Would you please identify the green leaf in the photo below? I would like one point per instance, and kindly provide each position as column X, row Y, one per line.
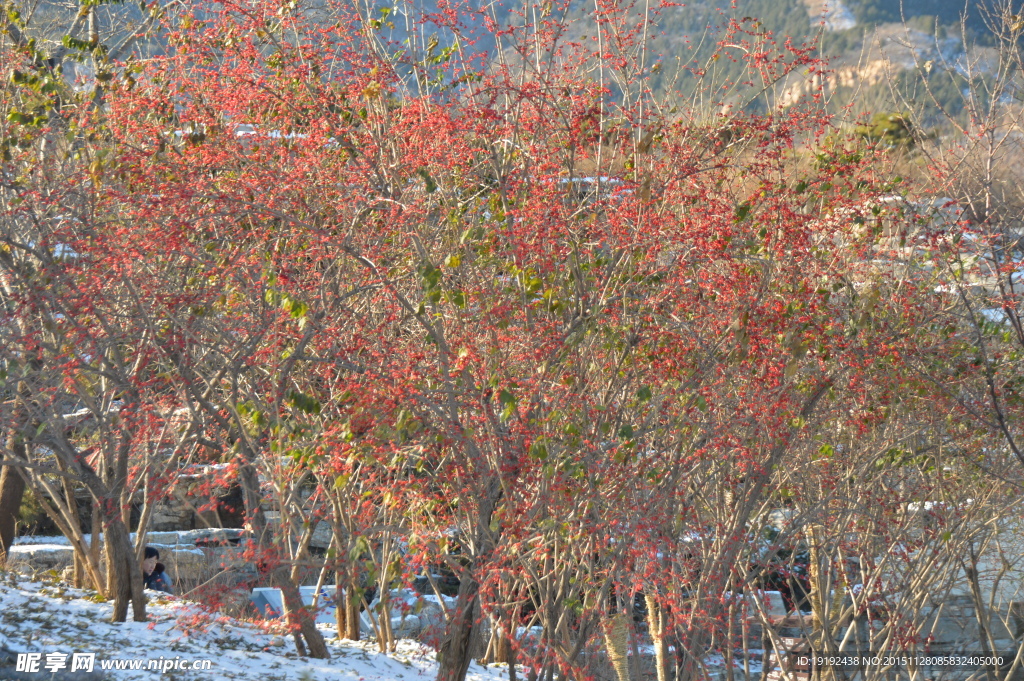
column 76, row 44
column 458, row 299
column 303, row 402
column 742, row 211
column 644, row 394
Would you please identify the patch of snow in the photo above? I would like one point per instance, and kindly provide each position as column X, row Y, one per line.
column 174, row 538
column 43, row 618
column 995, row 315
column 838, row 16
column 34, row 548
column 63, row 541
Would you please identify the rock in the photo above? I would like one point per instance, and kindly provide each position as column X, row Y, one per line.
column 405, row 626
column 163, row 538
column 184, row 562
column 432, row 619
column 321, row 538
column 171, row 514
column 41, row 556
column 214, row 536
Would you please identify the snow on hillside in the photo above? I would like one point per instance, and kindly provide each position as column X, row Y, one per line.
column 52, row 619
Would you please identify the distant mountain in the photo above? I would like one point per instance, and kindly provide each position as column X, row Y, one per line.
column 871, row 42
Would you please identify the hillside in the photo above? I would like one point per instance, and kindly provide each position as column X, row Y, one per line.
column 870, row 43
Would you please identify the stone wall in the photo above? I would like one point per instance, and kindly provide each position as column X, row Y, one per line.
column 190, row 558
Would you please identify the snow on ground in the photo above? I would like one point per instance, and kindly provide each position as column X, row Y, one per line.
column 49, row 618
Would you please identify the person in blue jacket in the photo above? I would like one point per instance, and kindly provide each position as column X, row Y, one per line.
column 153, row 573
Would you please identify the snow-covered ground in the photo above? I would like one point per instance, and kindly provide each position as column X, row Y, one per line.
column 53, row 619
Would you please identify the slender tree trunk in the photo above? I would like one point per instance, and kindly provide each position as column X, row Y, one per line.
column 12, row 480
column 12, row 490
column 353, row 596
column 78, row 572
column 297, row 614
column 249, row 481
column 12, row 487
column 110, row 560
column 616, row 639
column 497, row 644
column 456, row 648
column 340, row 604
column 94, row 545
column 454, row 655
column 387, row 636
column 656, row 625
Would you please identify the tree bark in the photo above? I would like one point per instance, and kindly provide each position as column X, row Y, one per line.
column 249, row 481
column 340, row 604
column 656, row 627
column 353, row 596
column 12, row 490
column 124, row 571
column 298, row 614
column 616, row 638
column 456, row 648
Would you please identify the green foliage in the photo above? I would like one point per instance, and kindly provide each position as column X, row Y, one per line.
column 303, row 402
column 889, row 129
column 944, row 11
column 33, row 519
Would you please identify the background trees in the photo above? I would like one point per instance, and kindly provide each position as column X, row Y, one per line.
column 509, row 315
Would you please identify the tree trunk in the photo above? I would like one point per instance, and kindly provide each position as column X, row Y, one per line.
column 12, row 490
column 78, row 572
column 297, row 614
column 387, row 636
column 94, row 547
column 340, row 604
column 456, row 648
column 124, row 571
column 616, row 639
column 353, row 596
column 249, row 481
column 12, row 482
column 656, row 626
